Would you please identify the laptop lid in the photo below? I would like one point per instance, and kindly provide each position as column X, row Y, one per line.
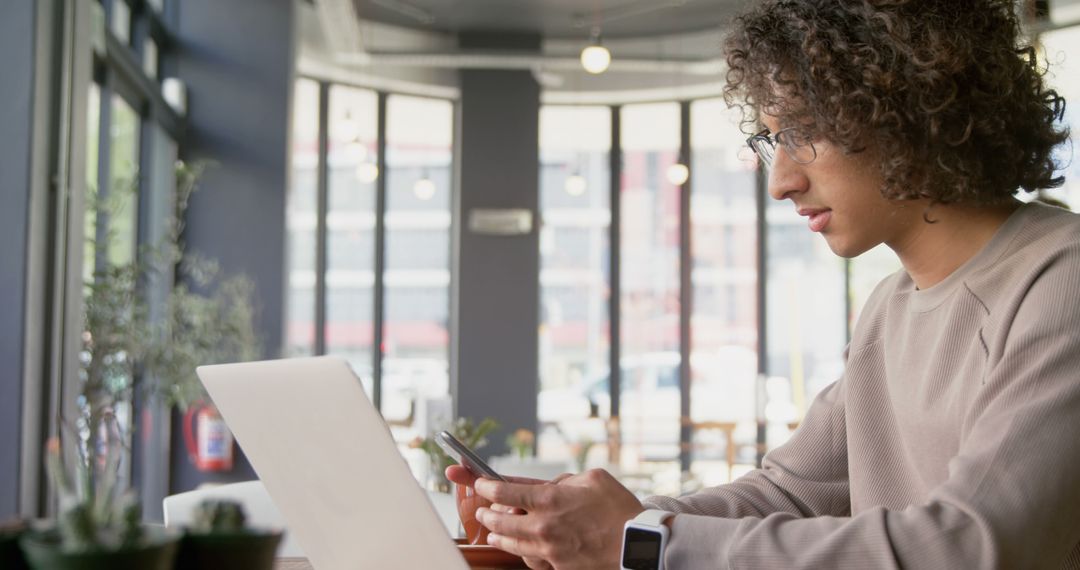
column 329, row 462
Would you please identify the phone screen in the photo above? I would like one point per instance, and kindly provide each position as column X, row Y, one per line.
column 465, row 456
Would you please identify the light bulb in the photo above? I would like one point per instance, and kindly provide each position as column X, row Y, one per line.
column 367, row 172
column 348, row 129
column 678, row 174
column 595, row 58
column 356, row 150
column 424, row 189
column 576, row 185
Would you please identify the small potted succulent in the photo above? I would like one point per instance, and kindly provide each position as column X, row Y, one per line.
column 99, row 525
column 11, row 558
column 220, row 539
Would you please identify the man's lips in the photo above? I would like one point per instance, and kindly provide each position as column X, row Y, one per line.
column 818, row 217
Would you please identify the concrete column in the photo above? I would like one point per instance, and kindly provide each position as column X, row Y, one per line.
column 496, row 292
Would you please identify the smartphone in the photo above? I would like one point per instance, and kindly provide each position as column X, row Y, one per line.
column 465, row 456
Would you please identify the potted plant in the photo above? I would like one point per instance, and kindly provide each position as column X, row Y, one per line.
column 206, row 319
column 219, row 539
column 521, row 443
column 99, row 523
column 473, row 435
column 10, row 556
column 126, row 338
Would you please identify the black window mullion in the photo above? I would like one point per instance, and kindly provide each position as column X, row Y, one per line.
column 615, row 286
column 761, row 197
column 380, row 254
column 321, row 209
column 686, row 294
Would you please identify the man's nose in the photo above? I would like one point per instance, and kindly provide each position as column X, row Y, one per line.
column 786, row 177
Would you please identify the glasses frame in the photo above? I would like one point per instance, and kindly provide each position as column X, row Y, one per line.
column 782, row 138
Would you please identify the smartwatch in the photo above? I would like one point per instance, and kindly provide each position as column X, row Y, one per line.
column 644, row 539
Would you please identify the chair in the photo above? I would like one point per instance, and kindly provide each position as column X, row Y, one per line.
column 261, row 511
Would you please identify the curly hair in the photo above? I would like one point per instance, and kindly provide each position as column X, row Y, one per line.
column 945, row 89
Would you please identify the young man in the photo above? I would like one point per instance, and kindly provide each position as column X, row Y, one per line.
column 953, row 438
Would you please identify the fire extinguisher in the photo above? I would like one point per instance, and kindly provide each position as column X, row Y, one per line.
column 212, row 448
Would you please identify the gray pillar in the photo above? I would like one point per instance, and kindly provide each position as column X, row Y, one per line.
column 497, row 277
column 237, row 61
column 17, row 69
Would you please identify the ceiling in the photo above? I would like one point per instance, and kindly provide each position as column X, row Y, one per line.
column 553, row 18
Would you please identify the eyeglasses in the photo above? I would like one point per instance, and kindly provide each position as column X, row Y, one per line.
column 796, row 144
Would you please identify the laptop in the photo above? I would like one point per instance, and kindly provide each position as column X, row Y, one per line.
column 329, row 462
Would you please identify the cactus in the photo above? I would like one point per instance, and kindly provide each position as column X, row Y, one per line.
column 219, row 516
column 95, row 512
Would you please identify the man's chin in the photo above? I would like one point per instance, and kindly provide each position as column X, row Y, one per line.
column 847, row 249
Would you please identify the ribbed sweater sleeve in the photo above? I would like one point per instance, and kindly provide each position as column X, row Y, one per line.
column 805, row 477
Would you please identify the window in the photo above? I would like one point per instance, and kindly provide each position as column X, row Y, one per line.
column 419, row 161
column 805, row 318
column 416, row 175
column 301, row 217
column 575, row 189
column 724, row 357
column 649, row 408
column 740, row 402
column 352, row 171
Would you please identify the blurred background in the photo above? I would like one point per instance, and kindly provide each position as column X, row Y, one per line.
column 539, row 212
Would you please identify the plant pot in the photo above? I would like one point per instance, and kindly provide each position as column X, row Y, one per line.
column 43, row 552
column 251, row 550
column 11, row 558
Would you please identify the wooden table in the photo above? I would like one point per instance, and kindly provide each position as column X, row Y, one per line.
column 302, row 564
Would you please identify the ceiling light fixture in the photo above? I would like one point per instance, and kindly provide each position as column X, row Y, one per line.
column 424, row 189
column 678, row 174
column 576, row 185
column 367, row 172
column 595, row 58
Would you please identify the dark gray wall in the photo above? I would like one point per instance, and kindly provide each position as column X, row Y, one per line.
column 237, row 61
column 17, row 71
column 497, row 287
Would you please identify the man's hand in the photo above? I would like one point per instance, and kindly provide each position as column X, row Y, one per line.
column 573, row 522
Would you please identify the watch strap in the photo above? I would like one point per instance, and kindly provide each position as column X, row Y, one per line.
column 653, row 517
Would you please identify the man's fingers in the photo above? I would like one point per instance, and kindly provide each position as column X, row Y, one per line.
column 514, row 545
column 524, row 496
column 526, row 480
column 460, row 475
column 537, row 563
column 506, row 523
column 560, row 477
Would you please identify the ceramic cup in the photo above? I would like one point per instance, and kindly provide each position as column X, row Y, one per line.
column 467, row 503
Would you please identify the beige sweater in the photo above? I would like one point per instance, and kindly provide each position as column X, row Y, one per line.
column 952, row 440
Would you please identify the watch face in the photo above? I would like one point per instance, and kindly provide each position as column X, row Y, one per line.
column 641, row 550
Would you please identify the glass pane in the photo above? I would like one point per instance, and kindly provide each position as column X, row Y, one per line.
column 123, row 181
column 121, row 21
column 111, row 241
column 724, row 357
column 93, row 141
column 649, row 405
column 150, row 58
column 1062, row 49
column 575, row 206
column 419, row 159
column 350, row 224
column 805, row 309
column 300, row 219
